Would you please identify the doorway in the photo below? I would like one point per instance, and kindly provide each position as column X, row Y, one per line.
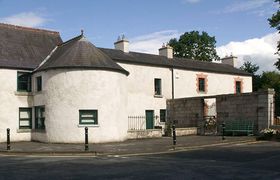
column 149, row 119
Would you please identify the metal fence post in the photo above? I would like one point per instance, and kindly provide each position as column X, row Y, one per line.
column 8, row 139
column 223, row 130
column 174, row 134
column 86, row 139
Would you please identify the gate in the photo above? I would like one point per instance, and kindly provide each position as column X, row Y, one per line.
column 210, row 125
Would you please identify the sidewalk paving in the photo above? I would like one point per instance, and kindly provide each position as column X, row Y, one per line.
column 140, row 146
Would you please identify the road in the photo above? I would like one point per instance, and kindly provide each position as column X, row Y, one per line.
column 241, row 161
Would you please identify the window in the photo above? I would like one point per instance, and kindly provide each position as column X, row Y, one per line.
column 39, row 83
column 24, row 81
column 157, row 86
column 201, row 84
column 25, row 118
column 162, row 114
column 40, row 117
column 88, row 117
column 238, row 86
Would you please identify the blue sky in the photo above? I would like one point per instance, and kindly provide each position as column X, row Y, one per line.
column 146, row 23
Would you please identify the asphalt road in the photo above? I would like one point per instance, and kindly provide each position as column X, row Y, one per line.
column 241, row 161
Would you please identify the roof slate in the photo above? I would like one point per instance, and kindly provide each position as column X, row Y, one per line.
column 79, row 53
column 180, row 63
column 25, row 48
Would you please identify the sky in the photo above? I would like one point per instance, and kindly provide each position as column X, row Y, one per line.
column 239, row 26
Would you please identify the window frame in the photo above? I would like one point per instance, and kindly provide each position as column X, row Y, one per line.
column 93, row 112
column 28, row 81
column 25, row 109
column 42, row 119
column 238, row 90
column 161, row 111
column 39, row 83
column 200, row 89
column 157, row 90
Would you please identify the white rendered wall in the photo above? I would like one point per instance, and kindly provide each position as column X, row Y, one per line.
column 65, row 92
column 140, row 88
column 10, row 101
column 140, row 85
column 186, row 83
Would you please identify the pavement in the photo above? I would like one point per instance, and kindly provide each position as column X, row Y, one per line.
column 161, row 145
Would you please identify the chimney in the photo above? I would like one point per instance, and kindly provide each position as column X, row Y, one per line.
column 230, row 60
column 122, row 44
column 166, row 51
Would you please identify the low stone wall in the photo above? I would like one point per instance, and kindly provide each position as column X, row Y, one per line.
column 141, row 134
column 186, row 131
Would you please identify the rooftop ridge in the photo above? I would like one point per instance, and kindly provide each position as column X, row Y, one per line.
column 70, row 40
column 156, row 55
column 28, row 28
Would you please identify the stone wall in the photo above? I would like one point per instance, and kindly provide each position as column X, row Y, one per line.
column 141, row 134
column 257, row 107
column 187, row 112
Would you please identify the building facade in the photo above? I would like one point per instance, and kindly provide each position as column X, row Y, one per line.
column 51, row 89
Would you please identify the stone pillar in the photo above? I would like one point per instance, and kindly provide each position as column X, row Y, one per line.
column 265, row 108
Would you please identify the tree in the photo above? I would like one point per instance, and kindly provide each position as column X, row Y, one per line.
column 274, row 22
column 193, row 45
column 252, row 68
column 272, row 80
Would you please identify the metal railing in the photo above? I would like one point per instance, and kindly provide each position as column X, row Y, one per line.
column 139, row 122
column 277, row 121
column 136, row 122
column 210, row 125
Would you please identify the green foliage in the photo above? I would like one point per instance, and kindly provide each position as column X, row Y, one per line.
column 193, row 45
column 272, row 80
column 274, row 22
column 250, row 67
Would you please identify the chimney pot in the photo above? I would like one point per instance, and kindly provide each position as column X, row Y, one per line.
column 122, row 44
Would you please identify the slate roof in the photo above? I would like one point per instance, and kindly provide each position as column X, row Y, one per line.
column 79, row 53
column 179, row 63
column 25, row 48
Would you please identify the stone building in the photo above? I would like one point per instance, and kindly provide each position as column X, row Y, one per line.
column 50, row 90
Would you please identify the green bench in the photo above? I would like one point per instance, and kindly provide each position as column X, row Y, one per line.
column 239, row 127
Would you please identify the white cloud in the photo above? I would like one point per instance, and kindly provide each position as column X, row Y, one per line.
column 30, row 19
column 191, row 1
column 150, row 43
column 260, row 51
column 246, row 5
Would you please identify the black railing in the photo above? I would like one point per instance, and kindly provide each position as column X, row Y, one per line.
column 210, row 125
column 277, row 121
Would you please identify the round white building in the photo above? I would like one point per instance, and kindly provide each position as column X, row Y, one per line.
column 79, row 86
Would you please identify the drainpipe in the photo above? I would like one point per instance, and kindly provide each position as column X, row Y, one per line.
column 172, row 74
